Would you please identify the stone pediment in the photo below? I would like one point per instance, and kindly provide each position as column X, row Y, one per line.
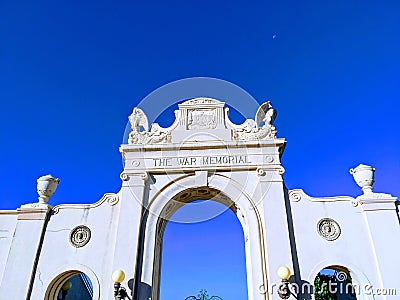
column 203, row 119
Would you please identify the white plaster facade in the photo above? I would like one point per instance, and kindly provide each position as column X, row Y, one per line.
column 203, row 155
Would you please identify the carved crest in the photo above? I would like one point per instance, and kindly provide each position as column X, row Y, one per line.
column 203, row 113
column 201, row 119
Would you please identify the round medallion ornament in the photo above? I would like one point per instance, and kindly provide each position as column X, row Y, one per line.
column 329, row 229
column 269, row 158
column 79, row 236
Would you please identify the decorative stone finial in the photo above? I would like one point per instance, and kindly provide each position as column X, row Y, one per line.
column 364, row 177
column 46, row 186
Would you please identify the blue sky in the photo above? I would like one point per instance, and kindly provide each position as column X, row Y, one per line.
column 71, row 74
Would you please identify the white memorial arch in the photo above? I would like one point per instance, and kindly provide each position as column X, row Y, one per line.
column 205, row 156
column 202, row 156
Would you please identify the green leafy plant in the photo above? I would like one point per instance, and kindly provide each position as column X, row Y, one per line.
column 321, row 287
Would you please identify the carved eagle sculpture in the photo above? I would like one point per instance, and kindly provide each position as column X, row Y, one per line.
column 138, row 119
column 266, row 113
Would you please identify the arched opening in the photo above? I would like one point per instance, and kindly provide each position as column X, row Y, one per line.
column 70, row 285
column 172, row 197
column 206, row 256
column 334, row 283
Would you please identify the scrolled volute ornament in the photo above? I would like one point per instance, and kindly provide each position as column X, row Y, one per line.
column 260, row 172
column 281, row 170
column 295, row 196
column 124, row 176
column 111, row 199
